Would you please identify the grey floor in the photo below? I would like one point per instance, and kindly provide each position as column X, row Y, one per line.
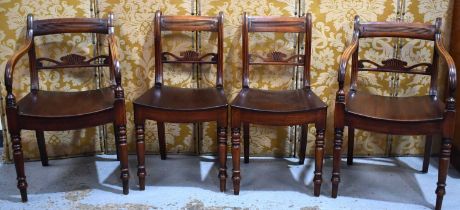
column 190, row 182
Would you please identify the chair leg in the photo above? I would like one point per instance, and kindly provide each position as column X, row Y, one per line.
column 336, row 161
column 236, row 159
column 140, row 147
column 351, row 145
column 303, row 144
column 426, row 156
column 246, row 142
column 319, row 157
column 117, row 143
column 42, row 147
column 123, row 151
column 444, row 158
column 222, row 152
column 161, row 139
column 19, row 164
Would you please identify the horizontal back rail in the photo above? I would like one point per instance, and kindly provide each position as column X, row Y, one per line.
column 189, row 23
column 397, row 29
column 276, row 24
column 70, row 25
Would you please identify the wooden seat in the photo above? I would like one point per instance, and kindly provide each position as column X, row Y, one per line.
column 182, row 105
column 182, row 99
column 56, row 111
column 397, row 109
column 54, row 104
column 278, row 101
column 416, row 115
column 282, row 107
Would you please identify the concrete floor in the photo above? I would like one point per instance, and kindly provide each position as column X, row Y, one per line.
column 190, row 182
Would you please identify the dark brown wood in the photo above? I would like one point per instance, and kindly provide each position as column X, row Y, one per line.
column 417, row 115
column 397, row 29
column 455, row 52
column 282, row 108
column 427, row 153
column 166, row 104
column 303, row 143
column 54, row 111
column 246, row 142
column 42, row 147
column 351, row 145
column 70, row 25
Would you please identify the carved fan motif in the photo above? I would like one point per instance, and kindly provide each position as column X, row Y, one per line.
column 73, row 59
column 394, row 64
column 276, row 56
column 189, row 55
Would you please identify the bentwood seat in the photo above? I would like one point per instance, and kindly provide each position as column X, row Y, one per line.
column 166, row 104
column 42, row 110
column 280, row 107
column 414, row 115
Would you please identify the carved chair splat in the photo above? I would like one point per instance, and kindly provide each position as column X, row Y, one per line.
column 417, row 115
column 281, row 108
column 166, row 104
column 57, row 111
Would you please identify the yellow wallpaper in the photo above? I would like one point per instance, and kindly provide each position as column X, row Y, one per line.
column 332, row 27
column 13, row 14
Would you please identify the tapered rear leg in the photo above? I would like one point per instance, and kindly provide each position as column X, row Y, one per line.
column 42, row 147
column 351, row 145
column 117, row 143
column 161, row 139
column 427, row 154
column 303, row 144
column 246, row 142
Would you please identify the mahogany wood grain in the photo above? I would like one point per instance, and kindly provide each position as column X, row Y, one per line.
column 166, row 104
column 55, row 111
column 280, row 108
column 417, row 115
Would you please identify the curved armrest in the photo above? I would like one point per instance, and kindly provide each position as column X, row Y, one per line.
column 9, row 69
column 115, row 64
column 345, row 57
column 452, row 70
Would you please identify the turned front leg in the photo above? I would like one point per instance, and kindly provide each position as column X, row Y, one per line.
column 236, row 160
column 222, row 136
column 140, row 146
column 319, row 157
column 336, row 162
column 123, row 149
column 444, row 158
column 19, row 164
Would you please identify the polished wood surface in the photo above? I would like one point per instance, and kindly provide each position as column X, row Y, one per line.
column 173, row 98
column 455, row 51
column 183, row 105
column 53, row 111
column 281, row 108
column 401, row 109
column 418, row 115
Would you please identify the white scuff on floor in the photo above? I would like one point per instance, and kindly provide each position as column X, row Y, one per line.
column 190, row 182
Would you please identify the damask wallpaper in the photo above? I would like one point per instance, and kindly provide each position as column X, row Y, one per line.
column 332, row 27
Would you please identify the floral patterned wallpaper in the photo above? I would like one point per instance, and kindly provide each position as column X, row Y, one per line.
column 332, row 27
